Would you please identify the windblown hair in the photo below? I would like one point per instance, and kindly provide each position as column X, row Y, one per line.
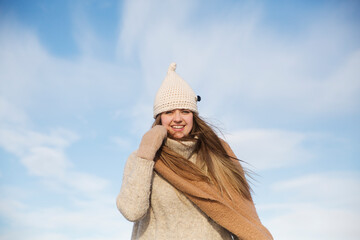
column 213, row 164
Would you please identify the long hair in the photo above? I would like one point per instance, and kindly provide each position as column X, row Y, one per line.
column 213, row 164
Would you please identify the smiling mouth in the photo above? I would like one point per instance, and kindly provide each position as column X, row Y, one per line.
column 177, row 127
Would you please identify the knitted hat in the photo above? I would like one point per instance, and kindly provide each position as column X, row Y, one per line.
column 174, row 93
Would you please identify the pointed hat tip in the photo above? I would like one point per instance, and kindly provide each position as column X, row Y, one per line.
column 172, row 67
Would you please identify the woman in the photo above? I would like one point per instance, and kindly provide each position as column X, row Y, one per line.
column 184, row 182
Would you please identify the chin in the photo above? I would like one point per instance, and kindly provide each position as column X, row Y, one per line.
column 178, row 135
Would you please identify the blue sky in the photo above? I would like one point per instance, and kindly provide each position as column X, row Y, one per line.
column 281, row 79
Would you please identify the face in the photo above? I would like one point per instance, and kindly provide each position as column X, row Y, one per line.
column 178, row 122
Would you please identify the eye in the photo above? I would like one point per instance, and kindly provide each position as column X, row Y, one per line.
column 168, row 112
column 185, row 111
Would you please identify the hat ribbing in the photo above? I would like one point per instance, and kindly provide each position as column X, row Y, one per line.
column 174, row 93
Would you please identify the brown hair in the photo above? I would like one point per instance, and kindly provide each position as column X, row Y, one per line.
column 213, row 164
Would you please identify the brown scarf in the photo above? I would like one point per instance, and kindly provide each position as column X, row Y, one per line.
column 237, row 215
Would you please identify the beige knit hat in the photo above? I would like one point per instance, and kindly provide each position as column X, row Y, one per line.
column 174, row 93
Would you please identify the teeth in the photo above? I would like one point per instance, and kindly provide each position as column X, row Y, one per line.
column 177, row 127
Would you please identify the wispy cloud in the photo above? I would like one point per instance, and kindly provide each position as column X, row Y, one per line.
column 246, row 69
column 90, row 208
column 316, row 206
column 328, row 189
column 31, row 77
column 269, row 148
column 239, row 56
column 88, row 219
column 44, row 155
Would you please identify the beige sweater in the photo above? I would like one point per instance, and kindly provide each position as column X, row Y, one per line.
column 157, row 208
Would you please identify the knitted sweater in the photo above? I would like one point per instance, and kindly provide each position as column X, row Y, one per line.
column 157, row 209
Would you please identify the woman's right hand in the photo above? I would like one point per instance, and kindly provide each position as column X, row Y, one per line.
column 151, row 142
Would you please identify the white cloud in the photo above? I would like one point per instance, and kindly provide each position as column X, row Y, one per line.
column 44, row 161
column 323, row 206
column 344, row 86
column 122, row 143
column 132, row 32
column 269, row 148
column 92, row 219
column 238, row 55
column 31, row 78
column 42, row 154
column 86, row 183
column 9, row 114
column 334, row 188
column 232, row 53
column 315, row 223
column 97, row 214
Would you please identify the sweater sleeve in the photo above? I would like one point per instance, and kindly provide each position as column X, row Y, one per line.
column 133, row 200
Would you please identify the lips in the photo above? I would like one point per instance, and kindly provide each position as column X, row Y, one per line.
column 178, row 127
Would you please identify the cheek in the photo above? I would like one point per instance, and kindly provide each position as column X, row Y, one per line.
column 165, row 121
column 190, row 126
column 190, row 123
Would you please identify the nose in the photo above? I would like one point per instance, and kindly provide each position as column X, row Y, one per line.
column 177, row 116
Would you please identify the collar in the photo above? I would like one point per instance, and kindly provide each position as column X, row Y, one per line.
column 184, row 148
